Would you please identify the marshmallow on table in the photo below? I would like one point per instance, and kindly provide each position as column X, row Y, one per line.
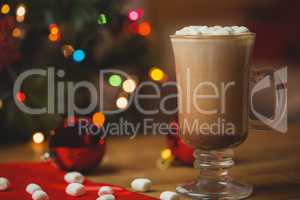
column 40, row 195
column 32, row 187
column 105, row 190
column 141, row 184
column 106, row 197
column 4, row 184
column 74, row 177
column 167, row 195
column 75, row 189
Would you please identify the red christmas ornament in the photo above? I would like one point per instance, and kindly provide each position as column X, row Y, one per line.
column 179, row 149
column 75, row 149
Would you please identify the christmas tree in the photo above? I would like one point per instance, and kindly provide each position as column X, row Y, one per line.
column 77, row 38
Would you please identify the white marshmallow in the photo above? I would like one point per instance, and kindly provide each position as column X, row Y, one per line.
column 213, row 30
column 32, row 187
column 40, row 195
column 106, row 197
column 74, row 177
column 105, row 190
column 167, row 195
column 141, row 184
column 4, row 184
column 75, row 189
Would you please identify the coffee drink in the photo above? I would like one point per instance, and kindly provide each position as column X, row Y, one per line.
column 212, row 75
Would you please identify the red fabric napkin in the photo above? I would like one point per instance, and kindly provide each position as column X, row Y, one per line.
column 51, row 179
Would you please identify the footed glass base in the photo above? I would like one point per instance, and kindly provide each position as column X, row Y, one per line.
column 214, row 181
column 203, row 189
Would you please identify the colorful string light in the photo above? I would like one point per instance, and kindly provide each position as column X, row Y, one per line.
column 78, row 55
column 54, row 33
column 38, row 138
column 133, row 15
column 129, row 85
column 122, row 102
column 115, row 80
column 102, row 19
column 21, row 10
column 20, row 96
column 5, row 9
column 18, row 33
column 156, row 74
column 144, row 29
column 98, row 119
column 67, row 50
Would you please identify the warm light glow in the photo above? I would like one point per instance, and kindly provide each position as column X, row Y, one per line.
column 98, row 119
column 38, row 138
column 122, row 102
column 102, row 19
column 17, row 33
column 5, row 9
column 129, row 85
column 78, row 55
column 21, row 10
column 54, row 30
column 20, row 96
column 115, row 80
column 144, row 29
column 133, row 15
column 166, row 154
column 156, row 74
column 1, row 104
column 53, row 37
column 20, row 18
column 67, row 50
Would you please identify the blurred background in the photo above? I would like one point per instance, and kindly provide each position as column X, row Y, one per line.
column 83, row 37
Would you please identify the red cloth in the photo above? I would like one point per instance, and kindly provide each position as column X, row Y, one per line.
column 51, row 179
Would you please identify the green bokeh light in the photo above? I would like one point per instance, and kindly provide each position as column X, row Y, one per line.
column 102, row 19
column 115, row 80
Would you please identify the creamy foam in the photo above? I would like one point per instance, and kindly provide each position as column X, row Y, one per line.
column 212, row 30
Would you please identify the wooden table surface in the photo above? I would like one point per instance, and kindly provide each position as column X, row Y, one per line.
column 269, row 161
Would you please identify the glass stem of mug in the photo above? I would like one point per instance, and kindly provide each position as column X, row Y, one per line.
column 213, row 165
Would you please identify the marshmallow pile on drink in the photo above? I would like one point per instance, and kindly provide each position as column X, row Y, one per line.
column 212, row 30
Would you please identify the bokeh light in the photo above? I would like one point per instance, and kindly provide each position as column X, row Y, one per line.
column 115, row 80
column 21, row 10
column 53, row 37
column 17, row 33
column 20, row 18
column 133, row 28
column 122, row 102
column 129, row 85
column 54, row 30
column 98, row 119
column 38, row 138
column 20, row 96
column 166, row 154
column 144, row 29
column 5, row 9
column 102, row 19
column 156, row 74
column 78, row 55
column 133, row 15
column 67, row 50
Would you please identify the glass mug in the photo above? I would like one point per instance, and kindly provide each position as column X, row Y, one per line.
column 213, row 75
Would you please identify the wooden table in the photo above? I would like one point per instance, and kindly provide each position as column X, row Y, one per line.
column 269, row 161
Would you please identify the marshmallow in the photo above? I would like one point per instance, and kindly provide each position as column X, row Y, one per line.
column 213, row 30
column 105, row 190
column 32, row 187
column 167, row 195
column 40, row 195
column 74, row 177
column 141, row 184
column 106, row 197
column 4, row 184
column 75, row 189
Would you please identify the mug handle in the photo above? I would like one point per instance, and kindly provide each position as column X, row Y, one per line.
column 277, row 79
